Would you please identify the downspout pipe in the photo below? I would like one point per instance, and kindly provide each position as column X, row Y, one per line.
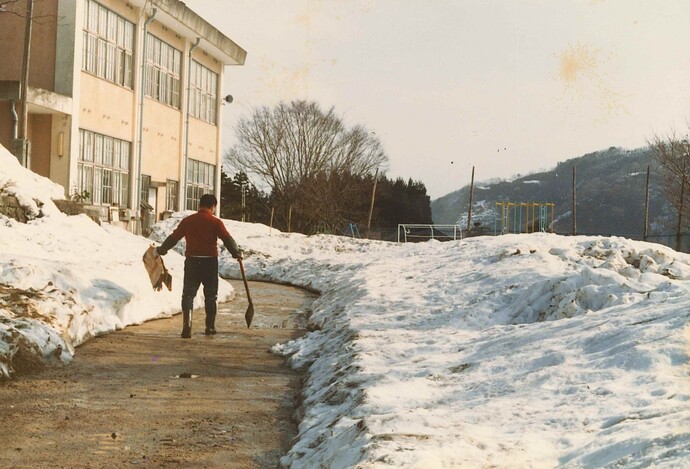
column 141, row 113
column 186, row 124
column 25, row 69
column 24, row 123
column 15, row 120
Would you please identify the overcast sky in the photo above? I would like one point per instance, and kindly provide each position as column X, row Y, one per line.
column 508, row 86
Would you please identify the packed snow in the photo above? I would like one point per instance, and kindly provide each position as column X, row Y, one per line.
column 66, row 279
column 516, row 351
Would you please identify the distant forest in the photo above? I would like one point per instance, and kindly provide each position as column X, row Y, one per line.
column 396, row 201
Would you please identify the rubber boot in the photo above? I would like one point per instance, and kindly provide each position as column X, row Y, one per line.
column 210, row 324
column 210, row 308
column 186, row 324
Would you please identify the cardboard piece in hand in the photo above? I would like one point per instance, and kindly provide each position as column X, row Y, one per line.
column 158, row 274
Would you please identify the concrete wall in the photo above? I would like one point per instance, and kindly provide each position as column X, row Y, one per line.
column 207, row 60
column 43, row 37
column 40, row 128
column 214, row 38
column 5, row 124
column 161, row 155
column 60, row 165
column 124, row 9
column 203, row 141
column 11, row 43
column 163, row 124
column 42, row 63
column 106, row 108
column 65, row 44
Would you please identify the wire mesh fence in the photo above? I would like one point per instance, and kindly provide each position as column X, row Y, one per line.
column 421, row 233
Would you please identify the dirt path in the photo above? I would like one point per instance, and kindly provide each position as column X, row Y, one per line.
column 126, row 400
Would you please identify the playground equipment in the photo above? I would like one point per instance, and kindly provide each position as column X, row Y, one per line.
column 523, row 217
column 422, row 232
column 352, row 230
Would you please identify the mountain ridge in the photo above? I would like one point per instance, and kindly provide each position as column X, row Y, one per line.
column 610, row 196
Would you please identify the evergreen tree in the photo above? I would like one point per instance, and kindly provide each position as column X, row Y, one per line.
column 398, row 202
column 256, row 207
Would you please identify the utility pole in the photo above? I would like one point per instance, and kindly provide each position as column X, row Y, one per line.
column 646, row 208
column 574, row 203
column 243, row 185
column 469, row 209
column 680, row 213
column 290, row 219
column 373, row 196
column 270, row 225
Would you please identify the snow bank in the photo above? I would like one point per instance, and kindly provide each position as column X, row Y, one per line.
column 512, row 351
column 35, row 193
column 66, row 279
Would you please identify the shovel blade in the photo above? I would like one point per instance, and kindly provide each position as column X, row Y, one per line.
column 249, row 315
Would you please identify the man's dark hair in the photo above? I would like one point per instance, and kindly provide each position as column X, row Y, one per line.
column 208, row 201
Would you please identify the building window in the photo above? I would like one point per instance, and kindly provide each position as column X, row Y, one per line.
column 171, row 189
column 108, row 43
column 201, row 178
column 163, row 64
column 203, row 96
column 103, row 169
column 144, row 192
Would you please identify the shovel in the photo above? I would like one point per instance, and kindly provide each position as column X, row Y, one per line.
column 250, row 309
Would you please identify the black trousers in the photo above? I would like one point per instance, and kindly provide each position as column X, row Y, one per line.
column 198, row 271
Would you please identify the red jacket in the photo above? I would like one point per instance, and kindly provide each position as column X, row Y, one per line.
column 201, row 231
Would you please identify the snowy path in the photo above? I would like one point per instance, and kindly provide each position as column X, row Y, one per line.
column 120, row 402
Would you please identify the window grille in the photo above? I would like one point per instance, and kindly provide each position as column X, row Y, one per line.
column 103, row 169
column 144, row 190
column 171, row 188
column 108, row 42
column 200, row 180
column 203, row 99
column 162, row 71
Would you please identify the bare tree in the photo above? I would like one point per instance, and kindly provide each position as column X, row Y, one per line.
column 19, row 8
column 9, row 6
column 295, row 148
column 673, row 156
column 327, row 202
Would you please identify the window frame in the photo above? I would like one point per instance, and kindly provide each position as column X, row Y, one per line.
column 103, row 168
column 171, row 203
column 200, row 180
column 108, row 44
column 203, row 86
column 163, row 71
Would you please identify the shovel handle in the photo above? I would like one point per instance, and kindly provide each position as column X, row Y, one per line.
column 244, row 279
column 250, row 309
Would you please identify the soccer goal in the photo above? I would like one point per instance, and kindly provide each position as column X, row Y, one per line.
column 418, row 232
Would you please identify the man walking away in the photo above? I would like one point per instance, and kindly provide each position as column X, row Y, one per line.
column 201, row 232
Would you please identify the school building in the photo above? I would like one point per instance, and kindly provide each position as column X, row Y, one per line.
column 122, row 105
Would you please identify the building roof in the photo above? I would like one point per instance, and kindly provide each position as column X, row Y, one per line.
column 179, row 17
